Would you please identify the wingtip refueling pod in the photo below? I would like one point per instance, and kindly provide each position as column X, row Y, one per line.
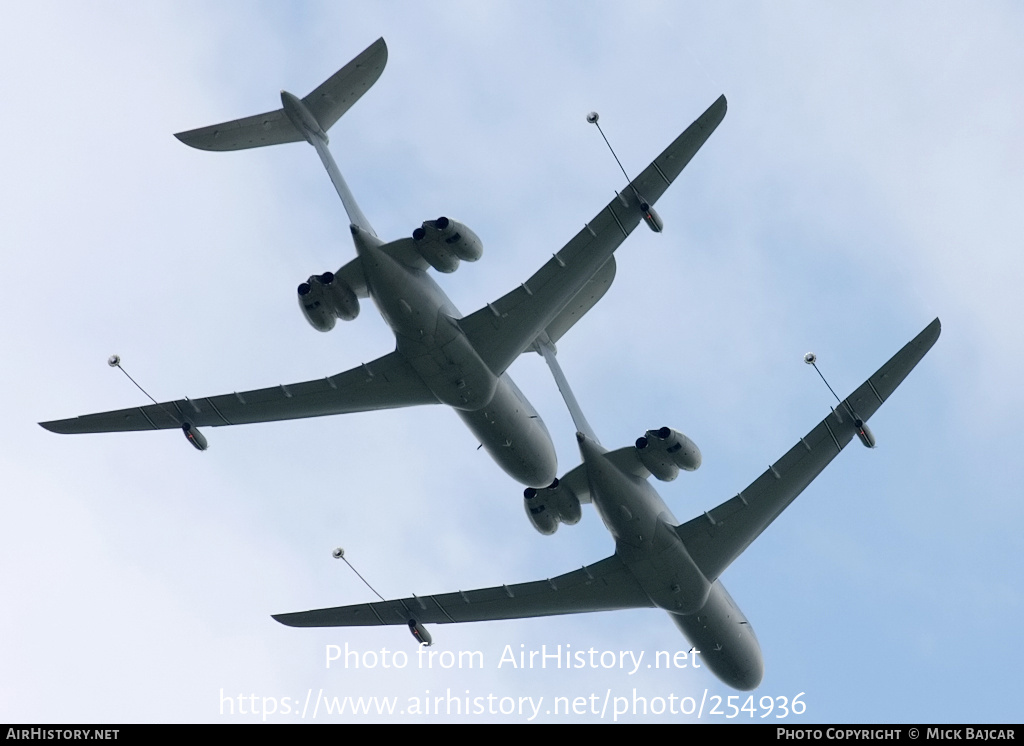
column 420, row 633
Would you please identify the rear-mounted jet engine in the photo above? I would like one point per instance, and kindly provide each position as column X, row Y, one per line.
column 664, row 452
column 548, row 507
column 444, row 242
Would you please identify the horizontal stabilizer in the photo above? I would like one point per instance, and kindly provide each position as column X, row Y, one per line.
column 327, row 103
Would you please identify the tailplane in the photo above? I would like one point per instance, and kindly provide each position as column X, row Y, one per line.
column 327, row 103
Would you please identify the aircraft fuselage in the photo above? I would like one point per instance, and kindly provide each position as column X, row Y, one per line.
column 428, row 336
column 648, row 545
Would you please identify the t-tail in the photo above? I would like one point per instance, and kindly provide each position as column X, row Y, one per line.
column 306, row 118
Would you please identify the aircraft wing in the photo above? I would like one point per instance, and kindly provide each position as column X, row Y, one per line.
column 719, row 536
column 604, row 586
column 502, row 330
column 327, row 103
column 386, row 383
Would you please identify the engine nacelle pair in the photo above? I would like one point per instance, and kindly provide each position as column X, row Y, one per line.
column 325, row 298
column 664, row 452
column 548, row 507
column 444, row 242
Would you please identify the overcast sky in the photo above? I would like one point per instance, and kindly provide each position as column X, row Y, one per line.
column 868, row 177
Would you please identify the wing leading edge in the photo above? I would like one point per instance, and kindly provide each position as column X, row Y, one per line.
column 502, row 330
column 386, row 383
column 604, row 586
column 719, row 536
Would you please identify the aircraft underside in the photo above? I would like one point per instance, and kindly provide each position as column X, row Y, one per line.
column 725, row 639
column 461, row 361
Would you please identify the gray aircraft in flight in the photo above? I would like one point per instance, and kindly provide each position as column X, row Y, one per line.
column 657, row 561
column 441, row 356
